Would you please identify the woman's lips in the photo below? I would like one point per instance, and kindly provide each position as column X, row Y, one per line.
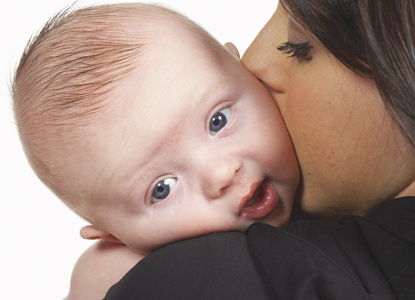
column 262, row 202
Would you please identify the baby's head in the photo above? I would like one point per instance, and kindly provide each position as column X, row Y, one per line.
column 147, row 127
column 62, row 88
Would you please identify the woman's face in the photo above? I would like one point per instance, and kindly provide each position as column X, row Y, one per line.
column 352, row 155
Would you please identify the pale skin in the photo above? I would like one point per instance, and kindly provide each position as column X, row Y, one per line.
column 220, row 179
column 98, row 268
column 352, row 155
column 222, row 176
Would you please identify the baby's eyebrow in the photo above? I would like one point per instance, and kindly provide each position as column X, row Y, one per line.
column 138, row 176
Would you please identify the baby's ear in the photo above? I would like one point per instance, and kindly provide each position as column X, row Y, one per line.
column 90, row 232
column 231, row 47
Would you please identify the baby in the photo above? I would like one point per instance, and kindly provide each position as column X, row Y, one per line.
column 149, row 129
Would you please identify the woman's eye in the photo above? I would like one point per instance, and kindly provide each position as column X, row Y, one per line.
column 162, row 189
column 301, row 51
column 219, row 120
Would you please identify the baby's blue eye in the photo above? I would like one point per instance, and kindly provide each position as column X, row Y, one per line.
column 219, row 120
column 163, row 189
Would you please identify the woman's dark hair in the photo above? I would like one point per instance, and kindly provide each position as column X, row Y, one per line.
column 373, row 38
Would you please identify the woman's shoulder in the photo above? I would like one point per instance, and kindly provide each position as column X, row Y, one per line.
column 396, row 216
column 311, row 260
column 389, row 231
column 357, row 256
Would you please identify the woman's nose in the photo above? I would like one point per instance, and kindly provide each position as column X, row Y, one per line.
column 218, row 175
column 268, row 64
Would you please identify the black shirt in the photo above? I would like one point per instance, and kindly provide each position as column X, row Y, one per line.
column 357, row 258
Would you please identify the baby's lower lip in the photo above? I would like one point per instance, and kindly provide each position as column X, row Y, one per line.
column 263, row 202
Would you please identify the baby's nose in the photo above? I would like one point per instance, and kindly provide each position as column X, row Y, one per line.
column 219, row 175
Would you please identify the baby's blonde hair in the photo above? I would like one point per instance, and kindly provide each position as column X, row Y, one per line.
column 64, row 78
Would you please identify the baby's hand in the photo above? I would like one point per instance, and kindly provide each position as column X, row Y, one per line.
column 99, row 267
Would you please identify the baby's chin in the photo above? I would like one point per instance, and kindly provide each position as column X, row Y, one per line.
column 275, row 219
column 144, row 248
column 279, row 217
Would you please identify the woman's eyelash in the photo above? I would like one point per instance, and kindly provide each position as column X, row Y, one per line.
column 301, row 51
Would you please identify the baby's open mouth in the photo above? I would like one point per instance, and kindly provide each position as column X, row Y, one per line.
column 262, row 202
column 256, row 197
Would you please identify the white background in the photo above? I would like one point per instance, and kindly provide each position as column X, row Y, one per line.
column 40, row 241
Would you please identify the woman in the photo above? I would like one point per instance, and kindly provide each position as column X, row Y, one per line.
column 343, row 76
column 353, row 155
